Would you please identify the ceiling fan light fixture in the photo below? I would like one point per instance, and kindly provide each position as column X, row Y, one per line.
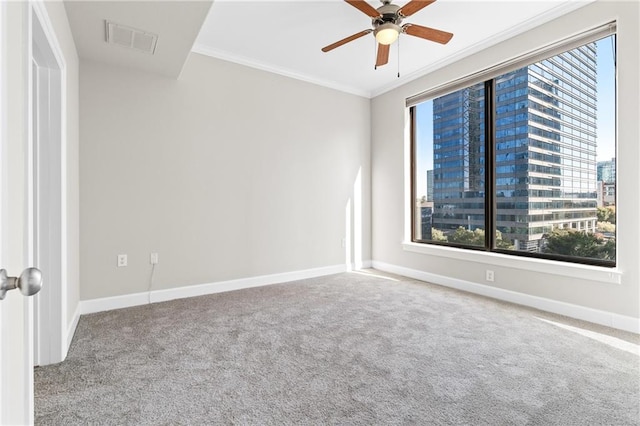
column 387, row 33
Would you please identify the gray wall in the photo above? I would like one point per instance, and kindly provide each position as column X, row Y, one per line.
column 58, row 17
column 390, row 170
column 227, row 173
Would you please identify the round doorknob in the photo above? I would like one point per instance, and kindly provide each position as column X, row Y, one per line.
column 30, row 281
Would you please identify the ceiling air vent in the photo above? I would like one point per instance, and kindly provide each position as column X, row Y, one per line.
column 132, row 38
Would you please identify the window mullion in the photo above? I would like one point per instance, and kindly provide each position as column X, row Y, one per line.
column 489, row 169
column 414, row 194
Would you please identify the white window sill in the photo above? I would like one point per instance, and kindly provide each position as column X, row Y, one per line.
column 574, row 270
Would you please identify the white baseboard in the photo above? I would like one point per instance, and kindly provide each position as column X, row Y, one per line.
column 136, row 299
column 365, row 264
column 596, row 316
column 239, row 284
column 71, row 330
column 116, row 302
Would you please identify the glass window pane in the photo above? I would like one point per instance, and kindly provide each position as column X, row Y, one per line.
column 555, row 155
column 449, row 180
column 554, row 165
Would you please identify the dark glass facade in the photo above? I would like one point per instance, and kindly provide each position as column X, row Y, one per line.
column 458, row 159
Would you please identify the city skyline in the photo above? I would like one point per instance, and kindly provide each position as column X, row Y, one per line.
column 605, row 139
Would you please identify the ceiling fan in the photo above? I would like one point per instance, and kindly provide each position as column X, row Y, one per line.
column 386, row 22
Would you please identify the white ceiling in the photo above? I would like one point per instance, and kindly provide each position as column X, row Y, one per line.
column 286, row 37
column 176, row 23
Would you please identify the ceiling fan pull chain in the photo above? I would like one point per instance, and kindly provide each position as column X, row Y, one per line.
column 398, row 57
column 375, row 50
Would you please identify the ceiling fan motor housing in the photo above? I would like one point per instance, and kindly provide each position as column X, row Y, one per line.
column 389, row 19
column 388, row 14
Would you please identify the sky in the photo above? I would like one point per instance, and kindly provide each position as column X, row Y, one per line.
column 606, row 99
column 605, row 121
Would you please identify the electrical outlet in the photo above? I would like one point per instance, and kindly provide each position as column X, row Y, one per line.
column 153, row 258
column 343, row 242
column 489, row 275
column 122, row 260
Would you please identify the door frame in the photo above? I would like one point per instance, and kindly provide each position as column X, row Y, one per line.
column 51, row 340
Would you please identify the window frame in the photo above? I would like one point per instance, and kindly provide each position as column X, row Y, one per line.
column 488, row 77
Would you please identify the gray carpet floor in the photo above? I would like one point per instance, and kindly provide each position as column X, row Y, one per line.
column 352, row 348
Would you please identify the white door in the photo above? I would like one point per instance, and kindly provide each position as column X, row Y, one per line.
column 16, row 213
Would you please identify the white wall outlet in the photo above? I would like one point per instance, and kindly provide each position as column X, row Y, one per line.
column 489, row 275
column 153, row 258
column 343, row 242
column 122, row 260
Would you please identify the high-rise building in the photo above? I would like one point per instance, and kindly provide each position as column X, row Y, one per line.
column 429, row 185
column 545, row 151
column 458, row 159
column 607, row 171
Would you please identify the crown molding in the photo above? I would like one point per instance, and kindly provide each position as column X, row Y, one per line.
column 241, row 60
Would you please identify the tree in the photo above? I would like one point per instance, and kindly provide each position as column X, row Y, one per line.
column 502, row 243
column 438, row 235
column 476, row 238
column 469, row 238
column 607, row 214
column 612, row 216
column 574, row 243
column 606, row 227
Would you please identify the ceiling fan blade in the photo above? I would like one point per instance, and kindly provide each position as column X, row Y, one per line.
column 414, row 6
column 383, row 55
column 427, row 33
column 364, row 7
column 346, row 40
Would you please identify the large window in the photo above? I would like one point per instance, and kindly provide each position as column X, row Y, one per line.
column 528, row 155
